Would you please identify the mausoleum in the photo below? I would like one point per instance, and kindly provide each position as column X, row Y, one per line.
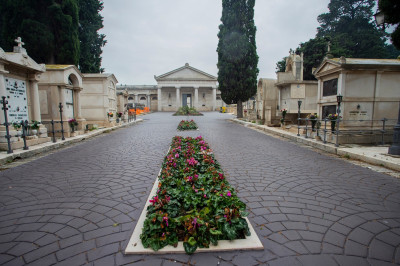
column 19, row 76
column 62, row 84
column 292, row 89
column 99, row 99
column 370, row 90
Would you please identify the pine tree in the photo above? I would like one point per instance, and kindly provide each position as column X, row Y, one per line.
column 237, row 53
column 391, row 9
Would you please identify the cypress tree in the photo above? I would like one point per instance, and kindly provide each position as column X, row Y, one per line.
column 237, row 53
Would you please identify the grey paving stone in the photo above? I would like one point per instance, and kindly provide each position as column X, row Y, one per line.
column 312, row 246
column 21, row 249
column 106, row 261
column 103, row 251
column 355, row 249
column 325, row 260
column 381, row 251
column 44, row 261
column 41, row 252
column 289, row 261
column 351, row 261
column 75, row 260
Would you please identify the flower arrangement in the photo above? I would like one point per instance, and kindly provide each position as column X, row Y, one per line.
column 72, row 122
column 119, row 114
column 110, row 114
column 312, row 116
column 16, row 125
column 333, row 117
column 35, row 125
column 187, row 125
column 194, row 202
column 284, row 111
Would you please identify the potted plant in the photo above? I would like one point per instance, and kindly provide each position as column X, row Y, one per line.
column 284, row 111
column 72, row 123
column 17, row 126
column 333, row 118
column 313, row 118
column 119, row 115
column 34, row 127
column 110, row 114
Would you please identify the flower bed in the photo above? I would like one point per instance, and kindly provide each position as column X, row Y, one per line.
column 194, row 202
column 187, row 125
column 185, row 110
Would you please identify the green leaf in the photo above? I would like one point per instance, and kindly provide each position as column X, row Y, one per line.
column 192, row 241
column 189, row 249
column 215, row 232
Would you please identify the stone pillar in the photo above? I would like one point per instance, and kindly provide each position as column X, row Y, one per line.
column 62, row 101
column 148, row 100
column 136, row 98
column 159, row 99
column 214, row 98
column 34, row 94
column 196, row 97
column 77, row 103
column 178, row 98
column 2, row 91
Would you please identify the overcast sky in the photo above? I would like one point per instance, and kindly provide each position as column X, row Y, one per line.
column 152, row 37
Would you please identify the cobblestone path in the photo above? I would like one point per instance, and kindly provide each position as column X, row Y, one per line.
column 80, row 205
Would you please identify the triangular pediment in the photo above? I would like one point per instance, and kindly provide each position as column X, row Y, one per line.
column 326, row 66
column 186, row 73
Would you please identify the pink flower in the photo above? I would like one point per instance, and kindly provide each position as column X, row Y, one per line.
column 165, row 219
column 177, row 155
column 154, row 200
column 228, row 194
column 205, row 195
column 221, row 195
column 174, row 164
column 196, row 190
column 167, row 198
column 221, row 176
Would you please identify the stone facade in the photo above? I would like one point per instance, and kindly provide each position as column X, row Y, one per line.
column 293, row 88
column 99, row 97
column 187, row 86
column 370, row 90
column 180, row 87
column 19, row 76
column 62, row 84
column 268, row 101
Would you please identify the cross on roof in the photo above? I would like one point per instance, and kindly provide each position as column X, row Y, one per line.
column 19, row 42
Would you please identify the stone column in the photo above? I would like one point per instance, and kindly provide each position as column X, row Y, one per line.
column 159, row 99
column 77, row 103
column 214, row 98
column 2, row 92
column 34, row 94
column 196, row 97
column 62, row 101
column 136, row 98
column 178, row 94
column 148, row 100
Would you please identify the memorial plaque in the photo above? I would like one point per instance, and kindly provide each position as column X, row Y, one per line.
column 17, row 100
column 69, row 103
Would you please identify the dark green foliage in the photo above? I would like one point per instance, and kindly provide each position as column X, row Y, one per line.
column 351, row 32
column 391, row 9
column 91, row 41
column 237, row 52
column 49, row 29
column 194, row 202
column 281, row 65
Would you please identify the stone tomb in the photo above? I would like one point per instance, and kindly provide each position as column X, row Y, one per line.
column 62, row 84
column 19, row 76
column 370, row 90
column 99, row 97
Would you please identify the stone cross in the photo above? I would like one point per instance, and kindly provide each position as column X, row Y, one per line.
column 19, row 42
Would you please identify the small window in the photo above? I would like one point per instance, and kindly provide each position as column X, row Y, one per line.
column 142, row 98
column 130, row 98
column 327, row 110
column 154, row 98
column 252, row 98
column 218, row 98
column 330, row 87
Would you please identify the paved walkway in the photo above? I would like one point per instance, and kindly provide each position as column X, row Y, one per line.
column 80, row 205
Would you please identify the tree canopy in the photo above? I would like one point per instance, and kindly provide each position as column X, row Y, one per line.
column 54, row 31
column 237, row 52
column 391, row 9
column 351, row 32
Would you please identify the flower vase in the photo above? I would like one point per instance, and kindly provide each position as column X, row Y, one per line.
column 34, row 132
column 333, row 126
column 313, row 123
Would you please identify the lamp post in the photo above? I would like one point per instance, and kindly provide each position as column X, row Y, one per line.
column 339, row 99
column 298, row 117
column 395, row 148
column 380, row 19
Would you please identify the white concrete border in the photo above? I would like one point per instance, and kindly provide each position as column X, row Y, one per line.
column 135, row 244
